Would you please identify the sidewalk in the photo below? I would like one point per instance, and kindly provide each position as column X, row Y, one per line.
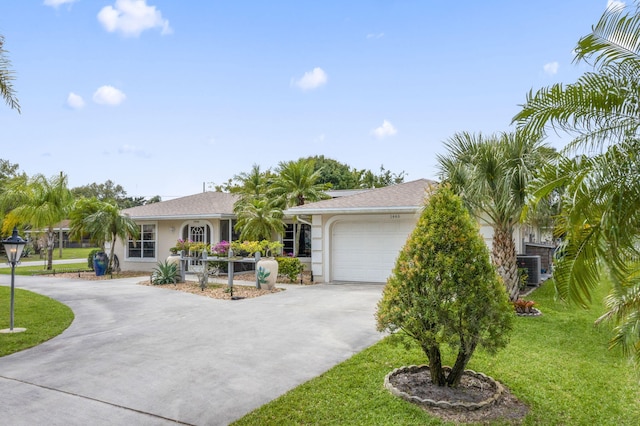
column 43, row 262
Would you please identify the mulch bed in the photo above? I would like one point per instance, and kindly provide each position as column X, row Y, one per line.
column 218, row 291
column 215, row 291
column 507, row 408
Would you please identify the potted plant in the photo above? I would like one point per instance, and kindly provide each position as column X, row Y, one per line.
column 267, row 266
column 526, row 308
column 174, row 258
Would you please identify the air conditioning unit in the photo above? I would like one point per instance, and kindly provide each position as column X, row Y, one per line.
column 533, row 265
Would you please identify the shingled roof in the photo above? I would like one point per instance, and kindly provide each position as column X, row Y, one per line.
column 401, row 198
column 198, row 206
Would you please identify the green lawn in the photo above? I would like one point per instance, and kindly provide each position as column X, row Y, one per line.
column 43, row 317
column 40, row 269
column 557, row 364
column 67, row 253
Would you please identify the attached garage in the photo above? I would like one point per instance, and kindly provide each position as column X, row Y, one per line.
column 357, row 236
column 366, row 250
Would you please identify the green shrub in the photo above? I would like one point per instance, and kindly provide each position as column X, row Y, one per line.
column 90, row 257
column 165, row 273
column 249, row 248
column 290, row 267
column 445, row 291
column 523, row 277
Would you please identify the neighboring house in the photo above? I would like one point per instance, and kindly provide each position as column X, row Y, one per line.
column 355, row 236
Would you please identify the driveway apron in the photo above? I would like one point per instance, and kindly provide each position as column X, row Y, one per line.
column 149, row 356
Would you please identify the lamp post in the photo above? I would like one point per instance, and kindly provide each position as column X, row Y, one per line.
column 13, row 246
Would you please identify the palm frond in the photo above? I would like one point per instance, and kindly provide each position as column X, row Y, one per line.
column 615, row 38
column 6, row 78
column 599, row 108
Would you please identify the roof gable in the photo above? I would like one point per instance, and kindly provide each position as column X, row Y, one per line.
column 203, row 205
column 402, row 197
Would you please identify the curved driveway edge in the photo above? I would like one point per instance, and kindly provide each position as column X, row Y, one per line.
column 148, row 355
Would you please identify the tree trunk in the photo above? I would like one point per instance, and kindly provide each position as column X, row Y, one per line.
column 506, row 261
column 464, row 355
column 435, row 365
column 50, row 246
column 110, row 266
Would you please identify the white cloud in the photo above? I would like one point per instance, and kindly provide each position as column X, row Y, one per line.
column 615, row 4
column 132, row 17
column 134, row 150
column 311, row 79
column 75, row 101
column 56, row 3
column 379, row 35
column 386, row 129
column 551, row 68
column 108, row 95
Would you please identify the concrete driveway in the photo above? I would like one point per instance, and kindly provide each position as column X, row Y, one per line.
column 151, row 356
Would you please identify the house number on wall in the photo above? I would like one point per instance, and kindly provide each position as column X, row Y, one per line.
column 395, row 216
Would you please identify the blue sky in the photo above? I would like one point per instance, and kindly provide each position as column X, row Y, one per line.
column 162, row 96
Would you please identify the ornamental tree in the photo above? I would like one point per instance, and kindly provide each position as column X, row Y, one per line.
column 444, row 289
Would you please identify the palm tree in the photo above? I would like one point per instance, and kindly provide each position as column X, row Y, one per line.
column 599, row 212
column 39, row 202
column 106, row 224
column 258, row 219
column 6, row 77
column 295, row 184
column 250, row 185
column 491, row 175
column 81, row 209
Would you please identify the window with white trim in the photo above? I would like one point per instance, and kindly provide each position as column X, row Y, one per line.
column 145, row 246
column 300, row 248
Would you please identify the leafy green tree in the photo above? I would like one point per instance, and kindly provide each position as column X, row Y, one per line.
column 6, row 79
column 600, row 208
column 39, row 202
column 7, row 171
column 491, row 175
column 368, row 179
column 109, row 191
column 335, row 173
column 444, row 289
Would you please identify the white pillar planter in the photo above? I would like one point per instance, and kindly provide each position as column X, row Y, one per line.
column 175, row 259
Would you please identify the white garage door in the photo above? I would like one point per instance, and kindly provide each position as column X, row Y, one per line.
column 366, row 251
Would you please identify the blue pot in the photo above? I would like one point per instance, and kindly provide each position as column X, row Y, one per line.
column 100, row 261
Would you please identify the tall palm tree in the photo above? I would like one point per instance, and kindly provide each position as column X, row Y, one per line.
column 599, row 212
column 6, row 78
column 39, row 202
column 295, row 184
column 491, row 175
column 107, row 224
